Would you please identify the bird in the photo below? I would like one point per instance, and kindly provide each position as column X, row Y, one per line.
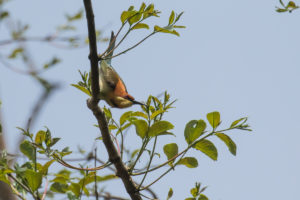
column 112, row 87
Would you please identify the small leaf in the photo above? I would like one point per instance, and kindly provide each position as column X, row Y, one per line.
column 190, row 162
column 51, row 63
column 157, row 112
column 3, row 15
column 125, row 116
column 126, row 14
column 112, row 127
column 16, row 52
column 170, row 193
column 45, row 167
column 202, row 197
column 228, row 141
column 171, row 150
column 83, row 89
column 40, row 137
column 175, row 26
column 59, row 187
column 214, row 119
column 76, row 16
column 141, row 127
column 233, row 124
column 34, row 179
column 159, row 127
column 143, row 6
column 291, row 4
column 281, row 10
column 75, row 188
column 171, row 18
column 27, row 149
column 53, row 141
column 208, row 148
column 178, row 16
column 140, row 25
column 193, row 130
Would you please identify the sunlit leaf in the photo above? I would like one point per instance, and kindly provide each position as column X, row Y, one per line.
column 190, row 162
column 83, row 89
column 59, row 187
column 193, row 130
column 40, row 137
column 170, row 193
column 45, row 167
column 27, row 149
column 141, row 127
column 236, row 122
column 228, row 141
column 34, row 179
column 16, row 52
column 208, row 148
column 171, row 150
column 171, row 18
column 202, row 197
column 213, row 118
column 159, row 127
column 140, row 25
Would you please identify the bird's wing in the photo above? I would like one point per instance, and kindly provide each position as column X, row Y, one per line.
column 113, row 79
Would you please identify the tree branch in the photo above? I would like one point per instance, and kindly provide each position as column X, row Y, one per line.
column 92, row 103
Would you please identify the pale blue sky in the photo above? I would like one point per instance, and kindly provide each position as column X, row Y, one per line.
column 237, row 57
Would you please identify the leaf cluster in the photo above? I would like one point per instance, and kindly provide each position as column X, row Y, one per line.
column 289, row 7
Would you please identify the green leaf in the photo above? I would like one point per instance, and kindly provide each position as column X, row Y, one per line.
column 175, row 26
column 171, row 150
column 75, row 188
column 83, row 89
column 165, row 30
column 208, row 148
column 292, row 5
column 214, row 119
column 40, row 137
column 281, row 10
column 191, row 198
column 3, row 15
column 112, row 127
column 27, row 149
column 236, row 122
column 202, row 197
column 141, row 127
column 135, row 18
column 51, row 63
column 126, row 14
column 140, row 25
column 159, row 127
column 193, row 130
column 129, row 116
column 228, row 141
column 171, row 18
column 59, row 187
column 45, row 167
column 190, row 162
column 53, row 141
column 16, row 52
column 76, row 16
column 178, row 16
column 157, row 112
column 4, row 179
column 170, row 193
column 34, row 179
column 143, row 6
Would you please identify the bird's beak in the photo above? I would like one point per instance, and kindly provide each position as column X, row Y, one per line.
column 136, row 102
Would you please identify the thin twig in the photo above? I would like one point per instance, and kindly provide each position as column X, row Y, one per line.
column 95, row 163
